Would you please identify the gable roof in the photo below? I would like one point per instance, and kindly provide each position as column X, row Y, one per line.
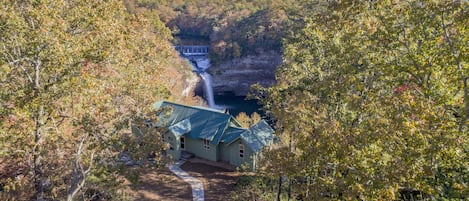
column 252, row 141
column 213, row 125
column 258, row 136
column 263, row 132
column 231, row 134
column 204, row 123
column 181, row 128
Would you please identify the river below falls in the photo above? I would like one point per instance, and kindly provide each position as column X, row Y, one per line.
column 237, row 104
column 233, row 104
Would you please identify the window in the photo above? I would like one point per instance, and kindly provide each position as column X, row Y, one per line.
column 148, row 123
column 241, row 150
column 183, row 143
column 206, row 144
column 171, row 147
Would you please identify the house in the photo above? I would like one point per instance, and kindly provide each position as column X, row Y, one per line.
column 212, row 134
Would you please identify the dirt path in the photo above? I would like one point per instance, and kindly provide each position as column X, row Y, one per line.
column 163, row 185
column 218, row 182
column 196, row 185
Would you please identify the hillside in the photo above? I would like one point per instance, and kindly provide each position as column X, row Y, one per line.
column 75, row 75
column 369, row 99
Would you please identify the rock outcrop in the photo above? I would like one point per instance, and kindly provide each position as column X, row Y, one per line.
column 236, row 76
column 190, row 83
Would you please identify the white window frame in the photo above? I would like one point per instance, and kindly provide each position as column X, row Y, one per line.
column 241, row 150
column 206, row 144
column 182, row 142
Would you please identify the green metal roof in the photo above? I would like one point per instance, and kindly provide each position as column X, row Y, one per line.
column 252, row 141
column 205, row 123
column 263, row 132
column 181, row 127
column 214, row 125
column 258, row 136
column 231, row 134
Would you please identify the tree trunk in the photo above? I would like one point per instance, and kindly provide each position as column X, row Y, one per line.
column 38, row 135
column 79, row 173
column 279, row 189
column 37, row 167
column 466, row 100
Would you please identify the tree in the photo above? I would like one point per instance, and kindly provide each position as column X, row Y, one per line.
column 74, row 75
column 371, row 98
column 248, row 121
column 233, row 28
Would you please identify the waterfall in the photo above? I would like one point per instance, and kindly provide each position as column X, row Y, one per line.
column 208, row 88
column 201, row 64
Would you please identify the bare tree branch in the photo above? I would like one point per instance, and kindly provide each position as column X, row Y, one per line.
column 79, row 173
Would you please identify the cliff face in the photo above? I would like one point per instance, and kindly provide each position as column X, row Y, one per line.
column 190, row 83
column 236, row 76
column 181, row 82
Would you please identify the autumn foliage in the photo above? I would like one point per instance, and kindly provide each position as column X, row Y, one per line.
column 74, row 76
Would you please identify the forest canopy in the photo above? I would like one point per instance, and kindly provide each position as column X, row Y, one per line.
column 74, row 76
column 232, row 28
column 371, row 101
